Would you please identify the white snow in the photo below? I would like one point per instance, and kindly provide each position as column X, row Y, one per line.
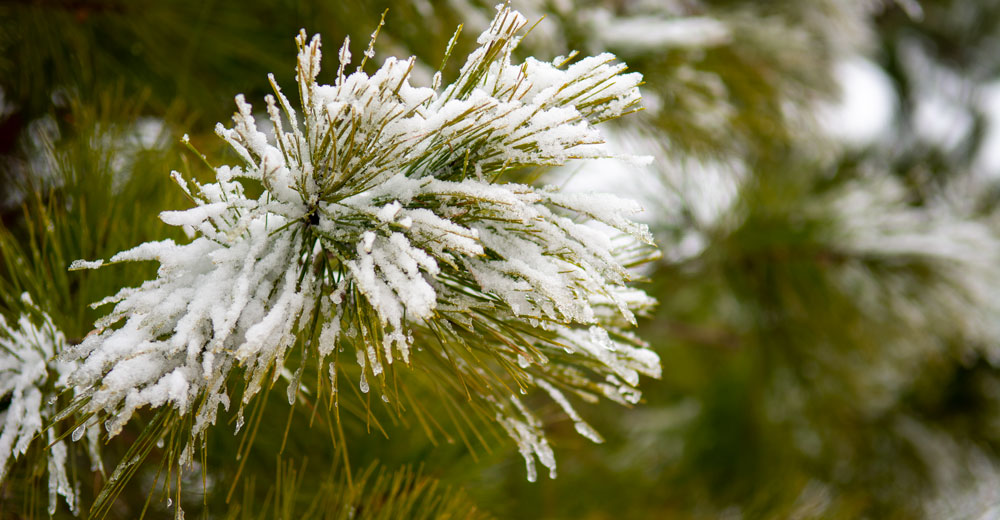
column 30, row 376
column 866, row 107
column 653, row 33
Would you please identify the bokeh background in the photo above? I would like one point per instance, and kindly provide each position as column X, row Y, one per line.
column 824, row 188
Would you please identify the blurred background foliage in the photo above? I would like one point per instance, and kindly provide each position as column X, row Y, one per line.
column 823, row 191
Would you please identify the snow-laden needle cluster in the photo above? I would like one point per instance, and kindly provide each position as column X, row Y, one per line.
column 31, row 375
column 383, row 230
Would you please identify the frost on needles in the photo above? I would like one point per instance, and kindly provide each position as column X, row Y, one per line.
column 384, row 236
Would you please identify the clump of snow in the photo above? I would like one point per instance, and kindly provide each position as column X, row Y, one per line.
column 655, row 33
column 867, row 104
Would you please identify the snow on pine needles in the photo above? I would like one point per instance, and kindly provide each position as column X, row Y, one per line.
column 31, row 375
column 384, row 235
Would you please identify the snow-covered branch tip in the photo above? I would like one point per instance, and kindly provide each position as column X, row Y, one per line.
column 384, row 230
column 31, row 377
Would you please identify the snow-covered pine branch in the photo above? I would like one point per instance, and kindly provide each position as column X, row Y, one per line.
column 383, row 231
column 31, row 377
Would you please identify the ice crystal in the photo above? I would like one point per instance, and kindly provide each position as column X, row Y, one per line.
column 383, row 227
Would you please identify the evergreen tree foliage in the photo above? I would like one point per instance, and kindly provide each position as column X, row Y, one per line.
column 401, row 264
